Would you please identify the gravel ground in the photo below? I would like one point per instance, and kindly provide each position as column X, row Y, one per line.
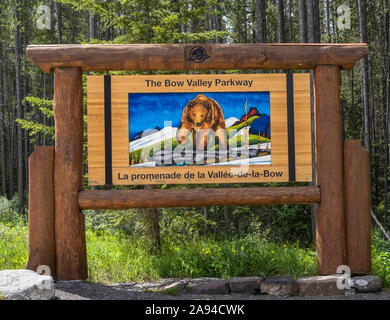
column 80, row 290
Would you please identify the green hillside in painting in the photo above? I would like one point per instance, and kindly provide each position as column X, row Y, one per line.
column 171, row 144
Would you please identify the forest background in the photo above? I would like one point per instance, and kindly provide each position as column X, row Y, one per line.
column 26, row 120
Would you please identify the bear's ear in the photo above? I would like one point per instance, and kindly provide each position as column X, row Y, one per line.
column 209, row 106
column 214, row 112
column 186, row 112
column 217, row 111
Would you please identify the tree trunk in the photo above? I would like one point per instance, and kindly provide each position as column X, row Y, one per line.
column 281, row 38
column 310, row 21
column 92, row 25
column 206, row 217
column 226, row 211
column 25, row 141
column 316, row 21
column 19, row 108
column 386, row 101
column 333, row 9
column 236, row 224
column 239, row 22
column 153, row 228
column 58, row 22
column 11, row 139
column 152, row 222
column 261, row 21
column 290, row 21
column 373, row 147
column 2, row 138
column 302, row 22
column 384, row 20
column 108, row 32
column 365, row 80
column 253, row 24
column 25, row 110
column 218, row 23
column 245, row 38
column 327, row 8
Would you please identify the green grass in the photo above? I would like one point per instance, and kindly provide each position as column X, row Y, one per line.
column 13, row 246
column 115, row 257
column 241, row 125
column 381, row 265
column 234, row 257
column 380, row 257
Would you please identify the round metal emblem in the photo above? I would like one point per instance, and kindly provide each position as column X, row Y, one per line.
column 198, row 54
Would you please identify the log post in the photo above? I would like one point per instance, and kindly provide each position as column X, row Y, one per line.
column 71, row 256
column 41, row 242
column 196, row 197
column 357, row 207
column 330, row 219
column 146, row 57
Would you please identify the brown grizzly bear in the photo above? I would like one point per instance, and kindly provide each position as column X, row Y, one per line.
column 202, row 116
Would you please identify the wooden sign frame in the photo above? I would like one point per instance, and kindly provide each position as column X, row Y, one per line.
column 342, row 189
column 290, row 124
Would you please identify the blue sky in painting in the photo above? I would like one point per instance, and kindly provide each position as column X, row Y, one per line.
column 150, row 110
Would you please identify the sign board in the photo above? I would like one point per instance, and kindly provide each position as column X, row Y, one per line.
column 180, row 129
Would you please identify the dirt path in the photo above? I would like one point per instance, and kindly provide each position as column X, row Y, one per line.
column 80, row 290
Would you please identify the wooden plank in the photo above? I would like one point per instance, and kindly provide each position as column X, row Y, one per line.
column 302, row 127
column 95, row 132
column 139, row 83
column 279, row 138
column 71, row 257
column 122, row 85
column 41, row 241
column 218, row 174
column 120, row 118
column 100, row 57
column 95, row 122
column 274, row 83
column 330, row 219
column 156, row 198
column 357, row 207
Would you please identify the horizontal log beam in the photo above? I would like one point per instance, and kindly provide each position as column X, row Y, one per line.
column 164, row 198
column 100, row 57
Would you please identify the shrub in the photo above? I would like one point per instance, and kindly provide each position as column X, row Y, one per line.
column 380, row 257
column 9, row 211
column 13, row 246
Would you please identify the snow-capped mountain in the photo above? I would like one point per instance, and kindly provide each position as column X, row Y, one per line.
column 156, row 137
column 230, row 121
